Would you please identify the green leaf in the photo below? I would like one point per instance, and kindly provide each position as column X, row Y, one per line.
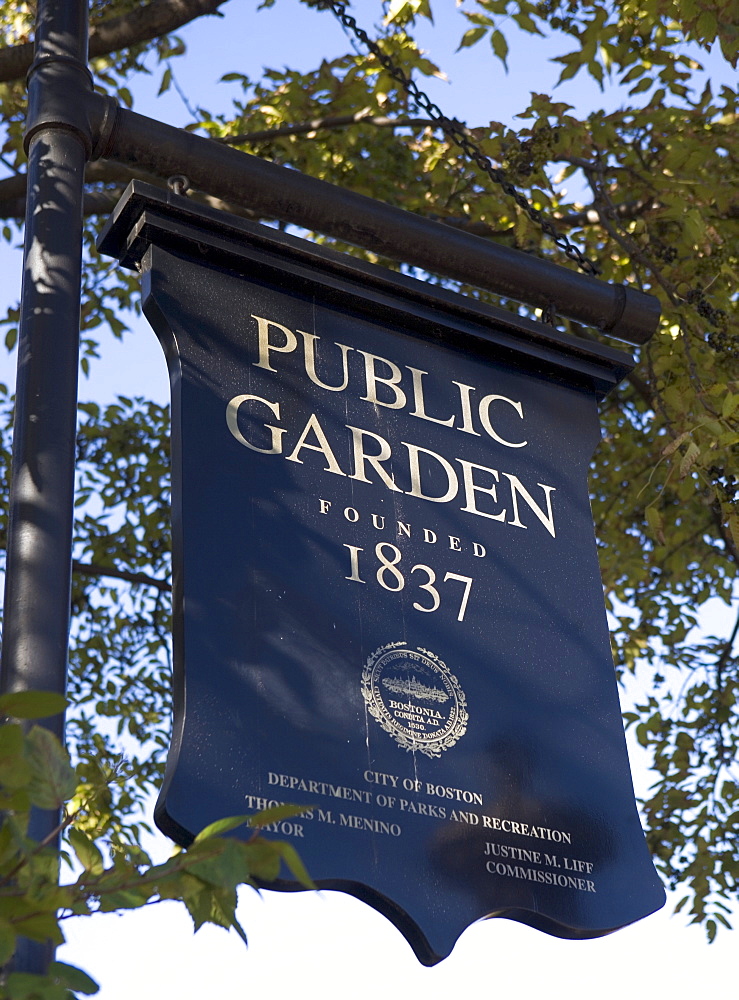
column 87, row 851
column 644, row 84
column 73, row 978
column 526, row 22
column 31, row 704
column 202, row 905
column 225, row 869
column 166, row 81
column 40, row 927
column 221, row 826
column 15, row 770
column 291, row 858
column 689, row 459
column 263, row 859
column 471, row 36
column 500, row 46
column 734, row 528
column 30, row 986
column 656, row 522
column 54, row 780
column 571, row 68
column 707, row 26
column 730, row 405
column 9, row 843
column 235, row 925
column 124, row 899
column 276, row 813
column 675, row 443
column 7, row 942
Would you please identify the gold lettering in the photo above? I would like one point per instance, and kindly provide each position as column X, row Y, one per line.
column 471, row 487
column 372, row 379
column 232, row 421
column 464, row 396
column 485, row 419
column 291, row 342
column 310, row 362
column 517, row 487
column 418, row 400
column 361, row 456
column 313, row 426
column 415, row 469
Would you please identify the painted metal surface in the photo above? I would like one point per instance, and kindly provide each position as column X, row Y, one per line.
column 388, row 606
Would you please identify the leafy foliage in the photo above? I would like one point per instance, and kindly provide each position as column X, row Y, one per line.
column 35, row 772
column 655, row 204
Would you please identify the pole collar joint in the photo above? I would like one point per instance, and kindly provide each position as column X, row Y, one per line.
column 619, row 306
column 103, row 112
column 59, row 88
column 635, row 315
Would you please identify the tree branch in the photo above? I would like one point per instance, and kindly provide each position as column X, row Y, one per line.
column 591, row 216
column 730, row 550
column 726, row 651
column 13, row 191
column 603, row 203
column 141, row 25
column 93, row 569
column 327, row 124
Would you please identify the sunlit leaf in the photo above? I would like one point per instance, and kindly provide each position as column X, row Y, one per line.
column 31, row 704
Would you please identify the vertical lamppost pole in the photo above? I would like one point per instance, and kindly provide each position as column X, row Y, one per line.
column 39, row 549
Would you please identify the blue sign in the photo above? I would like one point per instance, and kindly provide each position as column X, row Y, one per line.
column 388, row 604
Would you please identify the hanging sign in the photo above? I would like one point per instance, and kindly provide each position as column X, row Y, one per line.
column 388, row 606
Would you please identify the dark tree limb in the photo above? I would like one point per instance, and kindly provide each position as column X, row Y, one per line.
column 730, row 549
column 94, row 569
column 727, row 650
column 591, row 216
column 141, row 25
column 102, row 202
column 327, row 124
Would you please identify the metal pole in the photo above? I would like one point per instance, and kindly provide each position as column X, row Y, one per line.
column 276, row 192
column 39, row 550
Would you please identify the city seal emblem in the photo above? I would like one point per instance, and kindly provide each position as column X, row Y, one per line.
column 415, row 698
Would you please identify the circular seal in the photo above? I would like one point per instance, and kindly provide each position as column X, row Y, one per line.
column 415, row 698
